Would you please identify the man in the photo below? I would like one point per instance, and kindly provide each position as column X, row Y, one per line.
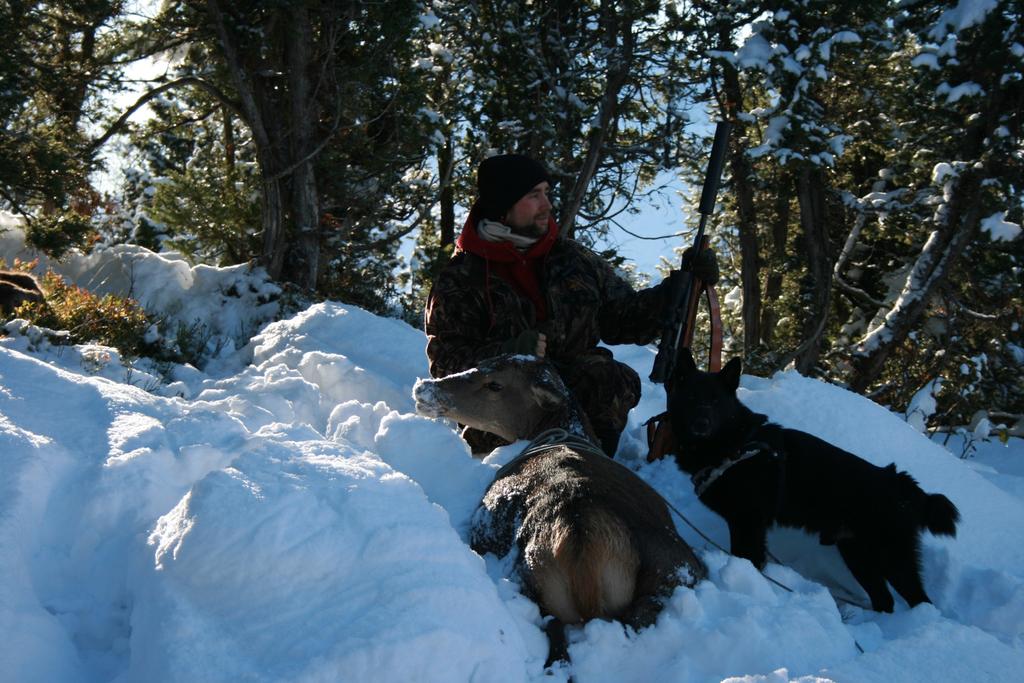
column 514, row 286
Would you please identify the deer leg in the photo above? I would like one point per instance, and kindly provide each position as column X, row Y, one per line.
column 558, row 644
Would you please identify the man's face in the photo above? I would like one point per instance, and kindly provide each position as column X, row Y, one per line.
column 529, row 216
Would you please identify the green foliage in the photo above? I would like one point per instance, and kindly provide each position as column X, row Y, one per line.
column 38, row 163
column 587, row 87
column 429, row 257
column 185, row 344
column 115, row 321
column 214, row 219
column 222, row 168
column 874, row 99
column 357, row 273
column 55, row 58
column 109, row 320
column 832, row 214
column 56, row 233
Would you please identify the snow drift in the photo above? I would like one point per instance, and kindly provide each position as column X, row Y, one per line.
column 287, row 517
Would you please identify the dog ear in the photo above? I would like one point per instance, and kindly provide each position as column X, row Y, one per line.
column 730, row 374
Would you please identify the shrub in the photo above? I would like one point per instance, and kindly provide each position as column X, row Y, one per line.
column 110, row 320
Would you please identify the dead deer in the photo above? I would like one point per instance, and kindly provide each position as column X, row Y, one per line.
column 594, row 540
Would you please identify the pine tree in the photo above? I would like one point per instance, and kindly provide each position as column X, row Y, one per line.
column 57, row 57
column 962, row 171
column 305, row 105
column 578, row 85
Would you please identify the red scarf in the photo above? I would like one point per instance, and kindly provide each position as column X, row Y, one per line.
column 520, row 269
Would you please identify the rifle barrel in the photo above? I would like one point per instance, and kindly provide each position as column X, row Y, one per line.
column 672, row 333
column 714, row 174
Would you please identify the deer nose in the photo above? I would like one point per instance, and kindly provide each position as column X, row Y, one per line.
column 430, row 400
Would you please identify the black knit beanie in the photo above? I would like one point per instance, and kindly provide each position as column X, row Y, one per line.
column 503, row 180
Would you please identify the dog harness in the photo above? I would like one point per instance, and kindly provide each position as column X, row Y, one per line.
column 705, row 478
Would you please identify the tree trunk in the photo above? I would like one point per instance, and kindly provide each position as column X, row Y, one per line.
column 236, row 251
column 750, row 261
column 230, row 167
column 305, row 203
column 446, row 168
column 306, row 217
column 272, row 205
column 811, row 198
column 937, row 259
column 773, row 284
column 619, row 42
column 742, row 178
column 70, row 95
column 272, row 220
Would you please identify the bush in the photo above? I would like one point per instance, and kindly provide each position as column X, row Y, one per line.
column 109, row 320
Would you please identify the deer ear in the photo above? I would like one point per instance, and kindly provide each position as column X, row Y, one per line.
column 547, row 397
column 730, row 374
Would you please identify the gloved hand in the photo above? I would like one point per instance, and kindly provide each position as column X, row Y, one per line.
column 528, row 342
column 705, row 268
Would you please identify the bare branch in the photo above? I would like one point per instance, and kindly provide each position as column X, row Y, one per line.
column 177, row 83
column 16, row 206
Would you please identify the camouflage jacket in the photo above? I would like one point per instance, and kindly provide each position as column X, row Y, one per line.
column 471, row 311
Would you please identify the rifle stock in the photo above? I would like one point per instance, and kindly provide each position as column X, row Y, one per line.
column 681, row 298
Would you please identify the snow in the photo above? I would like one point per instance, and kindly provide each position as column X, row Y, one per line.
column 282, row 515
column 999, row 229
column 772, row 138
column 941, row 171
column 755, row 53
column 926, row 59
column 440, row 52
column 923, row 405
column 915, row 282
column 429, row 20
column 229, row 303
column 842, row 37
column 958, row 92
column 966, row 14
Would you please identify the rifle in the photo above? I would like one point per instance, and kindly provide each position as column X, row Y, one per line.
column 683, row 297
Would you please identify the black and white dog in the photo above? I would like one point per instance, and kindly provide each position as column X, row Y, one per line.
column 756, row 474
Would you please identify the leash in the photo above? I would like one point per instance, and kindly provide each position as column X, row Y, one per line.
column 705, row 478
column 761, row 571
column 727, row 552
column 557, row 436
column 548, row 439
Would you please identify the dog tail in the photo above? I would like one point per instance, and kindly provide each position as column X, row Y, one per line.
column 941, row 516
column 935, row 512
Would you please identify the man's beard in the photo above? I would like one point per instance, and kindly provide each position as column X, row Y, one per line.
column 530, row 230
